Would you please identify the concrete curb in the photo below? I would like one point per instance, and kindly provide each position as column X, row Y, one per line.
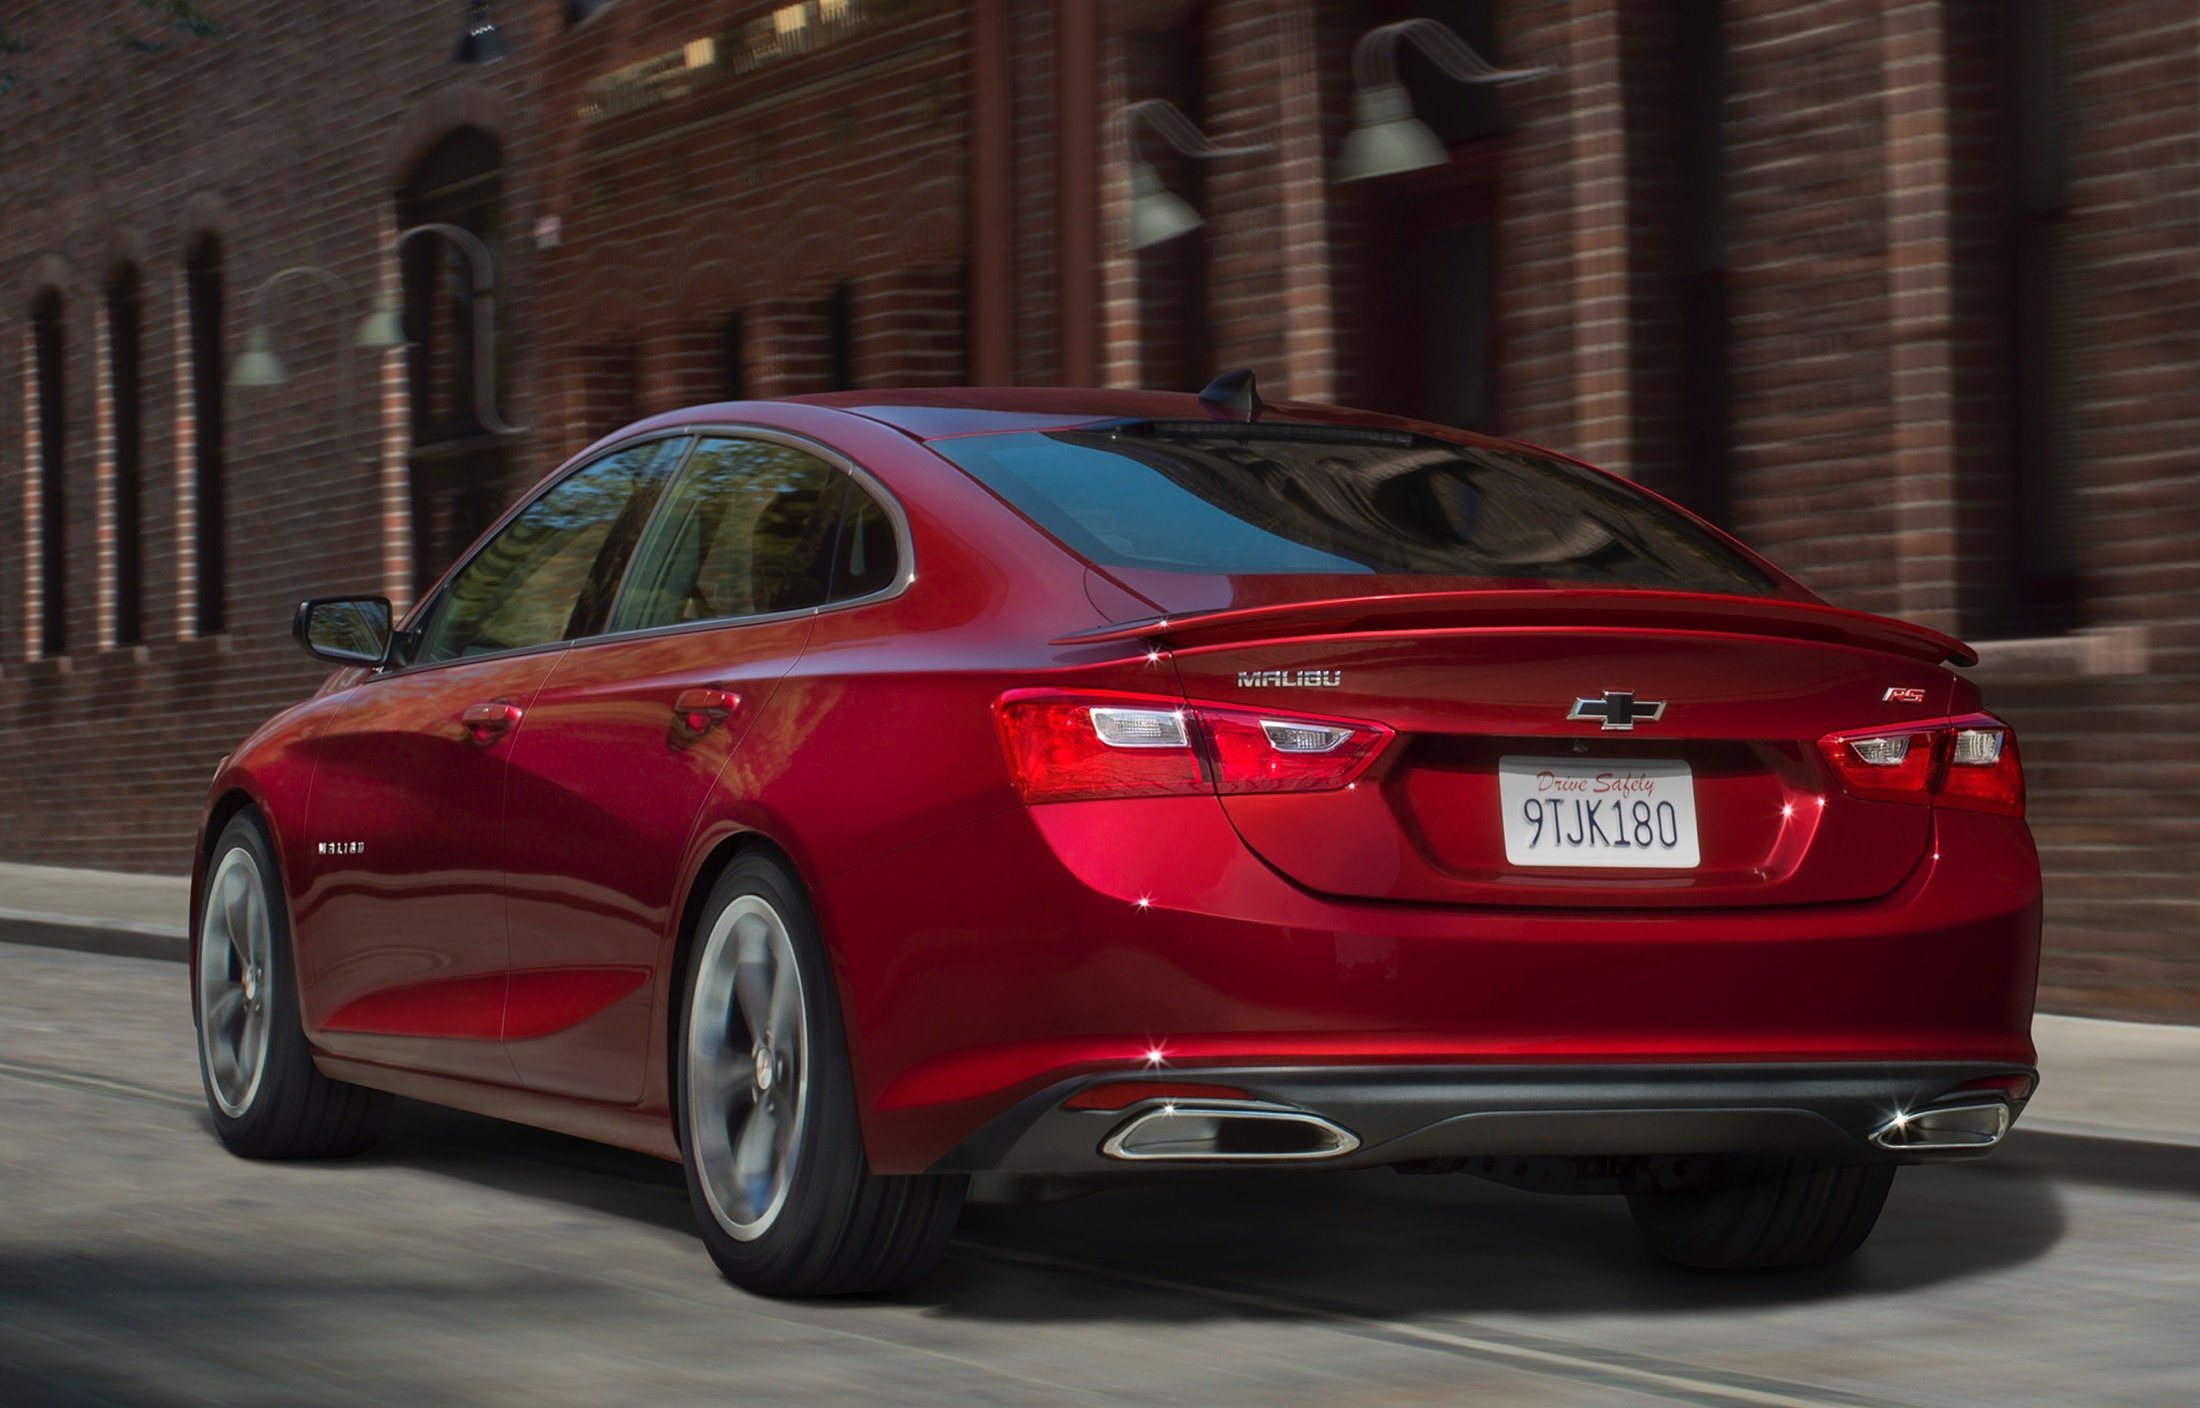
column 121, row 938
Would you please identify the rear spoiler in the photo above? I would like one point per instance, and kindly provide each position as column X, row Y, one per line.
column 1539, row 608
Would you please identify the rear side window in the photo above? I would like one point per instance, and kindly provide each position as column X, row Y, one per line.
column 1199, row 498
column 547, row 575
column 753, row 528
column 868, row 557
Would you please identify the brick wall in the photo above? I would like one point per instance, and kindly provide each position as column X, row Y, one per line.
column 286, row 142
column 756, row 186
column 2114, row 765
column 1864, row 252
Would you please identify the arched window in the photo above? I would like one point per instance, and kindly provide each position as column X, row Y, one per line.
column 458, row 467
column 52, row 425
column 125, row 622
column 203, row 295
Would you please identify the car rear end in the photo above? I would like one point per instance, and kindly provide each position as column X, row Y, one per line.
column 1442, row 803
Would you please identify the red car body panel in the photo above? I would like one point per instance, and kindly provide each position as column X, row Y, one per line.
column 496, row 923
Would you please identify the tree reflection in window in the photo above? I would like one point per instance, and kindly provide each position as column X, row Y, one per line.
column 548, row 575
column 748, row 531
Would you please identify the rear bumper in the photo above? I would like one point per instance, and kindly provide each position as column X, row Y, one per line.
column 1404, row 1114
column 1042, row 947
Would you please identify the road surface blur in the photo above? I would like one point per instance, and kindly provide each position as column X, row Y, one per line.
column 467, row 1261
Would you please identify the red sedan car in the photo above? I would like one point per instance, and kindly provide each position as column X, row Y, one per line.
column 850, row 795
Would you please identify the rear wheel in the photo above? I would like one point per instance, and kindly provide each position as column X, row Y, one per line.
column 267, row 1099
column 1766, row 1211
column 775, row 1164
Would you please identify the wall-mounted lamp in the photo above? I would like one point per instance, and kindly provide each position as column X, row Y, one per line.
column 385, row 319
column 1386, row 138
column 383, row 329
column 259, row 365
column 479, row 42
column 1158, row 214
column 576, row 11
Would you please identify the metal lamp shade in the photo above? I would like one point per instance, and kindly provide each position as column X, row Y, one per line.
column 1387, row 139
column 1158, row 214
column 382, row 329
column 259, row 366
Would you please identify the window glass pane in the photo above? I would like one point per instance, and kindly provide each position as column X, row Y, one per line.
column 747, row 530
column 548, row 575
column 868, row 556
column 1185, row 497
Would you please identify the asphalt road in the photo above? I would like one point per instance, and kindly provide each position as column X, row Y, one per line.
column 471, row 1262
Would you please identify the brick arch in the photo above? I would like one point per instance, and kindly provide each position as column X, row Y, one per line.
column 711, row 284
column 47, row 271
column 829, row 238
column 206, row 211
column 471, row 103
column 126, row 247
column 929, row 223
column 703, row 272
column 606, row 305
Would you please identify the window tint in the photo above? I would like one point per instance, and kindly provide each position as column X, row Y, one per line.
column 868, row 557
column 747, row 529
column 1192, row 497
column 550, row 573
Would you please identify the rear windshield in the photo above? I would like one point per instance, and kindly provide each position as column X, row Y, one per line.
column 1200, row 498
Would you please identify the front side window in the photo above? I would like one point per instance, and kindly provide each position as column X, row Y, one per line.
column 753, row 528
column 1328, row 500
column 549, row 574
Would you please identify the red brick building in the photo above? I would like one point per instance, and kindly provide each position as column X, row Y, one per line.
column 1907, row 294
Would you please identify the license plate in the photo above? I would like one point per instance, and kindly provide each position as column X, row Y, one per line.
column 1639, row 813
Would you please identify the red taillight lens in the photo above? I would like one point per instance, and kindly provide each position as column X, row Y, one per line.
column 1059, row 751
column 1884, row 766
column 1078, row 747
column 1969, row 763
column 1984, row 773
column 1286, row 752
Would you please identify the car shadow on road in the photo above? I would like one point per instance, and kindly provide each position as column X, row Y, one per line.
column 520, row 1159
column 1372, row 1242
column 1379, row 1244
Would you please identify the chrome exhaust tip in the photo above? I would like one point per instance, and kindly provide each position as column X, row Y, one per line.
column 1227, row 1134
column 1946, row 1128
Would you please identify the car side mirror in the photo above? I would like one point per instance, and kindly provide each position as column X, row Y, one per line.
column 345, row 630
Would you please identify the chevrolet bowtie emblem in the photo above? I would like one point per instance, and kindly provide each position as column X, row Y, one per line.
column 1618, row 709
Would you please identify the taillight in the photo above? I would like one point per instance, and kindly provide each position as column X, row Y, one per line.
column 1984, row 772
column 1063, row 749
column 1078, row 747
column 1969, row 762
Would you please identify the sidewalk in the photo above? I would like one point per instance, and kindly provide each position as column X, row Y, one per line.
column 95, row 911
column 2105, row 1080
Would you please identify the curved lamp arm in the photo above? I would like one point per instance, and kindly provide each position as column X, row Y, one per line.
column 1375, row 58
column 342, row 290
column 1177, row 130
column 485, row 307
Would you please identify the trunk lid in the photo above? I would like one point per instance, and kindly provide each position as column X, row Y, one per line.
column 1481, row 684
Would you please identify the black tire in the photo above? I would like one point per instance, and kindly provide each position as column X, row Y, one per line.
column 839, row 1229
column 1766, row 1211
column 291, row 1111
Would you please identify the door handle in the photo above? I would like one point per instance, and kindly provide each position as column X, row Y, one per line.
column 490, row 720
column 700, row 709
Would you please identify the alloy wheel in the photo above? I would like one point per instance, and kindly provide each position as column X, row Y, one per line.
column 236, row 946
column 747, row 1067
